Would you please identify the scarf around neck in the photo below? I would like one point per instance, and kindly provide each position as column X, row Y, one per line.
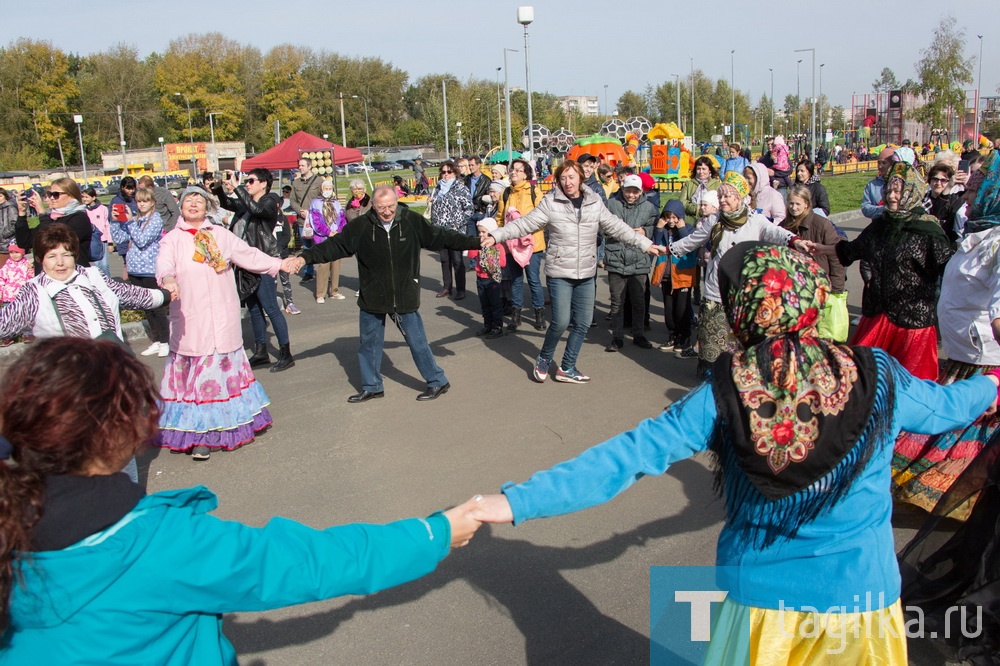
column 206, row 250
column 793, row 406
column 728, row 222
column 70, row 208
column 912, row 217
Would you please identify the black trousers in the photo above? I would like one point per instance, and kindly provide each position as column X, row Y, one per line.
column 159, row 324
column 627, row 288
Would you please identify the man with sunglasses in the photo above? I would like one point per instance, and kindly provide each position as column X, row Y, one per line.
column 387, row 241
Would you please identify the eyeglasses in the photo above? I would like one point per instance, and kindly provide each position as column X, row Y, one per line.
column 250, row 181
column 54, row 195
column 444, row 171
column 940, row 180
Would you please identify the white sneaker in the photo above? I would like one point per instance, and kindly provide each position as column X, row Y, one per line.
column 164, row 350
column 338, row 296
column 151, row 350
column 321, row 300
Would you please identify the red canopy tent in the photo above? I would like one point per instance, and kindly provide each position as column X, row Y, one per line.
column 285, row 155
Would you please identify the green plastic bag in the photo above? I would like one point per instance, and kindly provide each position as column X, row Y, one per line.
column 834, row 320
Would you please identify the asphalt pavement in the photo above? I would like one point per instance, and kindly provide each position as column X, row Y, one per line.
column 569, row 590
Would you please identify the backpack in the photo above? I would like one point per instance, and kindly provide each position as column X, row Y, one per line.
column 506, row 196
column 96, row 244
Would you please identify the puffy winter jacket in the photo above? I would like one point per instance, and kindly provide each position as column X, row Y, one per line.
column 628, row 259
column 572, row 247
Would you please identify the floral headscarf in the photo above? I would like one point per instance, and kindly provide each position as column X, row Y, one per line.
column 985, row 210
column 912, row 216
column 793, row 405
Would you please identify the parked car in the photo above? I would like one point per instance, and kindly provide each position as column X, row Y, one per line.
column 385, row 166
column 340, row 170
column 358, row 167
column 101, row 191
column 405, row 164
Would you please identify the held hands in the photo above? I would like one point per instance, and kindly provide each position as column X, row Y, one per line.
column 493, row 509
column 808, row 247
column 292, row 265
column 485, row 240
column 657, row 250
column 463, row 525
column 170, row 284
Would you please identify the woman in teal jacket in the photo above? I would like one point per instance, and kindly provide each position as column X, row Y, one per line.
column 802, row 431
column 104, row 575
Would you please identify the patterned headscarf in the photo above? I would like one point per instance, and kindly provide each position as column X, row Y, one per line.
column 737, row 181
column 793, row 405
column 912, row 216
column 985, row 210
column 733, row 182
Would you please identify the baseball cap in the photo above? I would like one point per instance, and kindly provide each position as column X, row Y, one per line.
column 632, row 180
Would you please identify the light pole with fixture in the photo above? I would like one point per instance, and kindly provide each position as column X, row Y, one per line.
column 78, row 119
column 979, row 82
column 606, row 108
column 692, row 104
column 678, row 86
column 771, row 69
column 812, row 122
column 368, row 136
column 506, row 97
column 343, row 125
column 819, row 113
column 798, row 98
column 732, row 84
column 163, row 155
column 190, row 130
column 525, row 16
column 211, row 129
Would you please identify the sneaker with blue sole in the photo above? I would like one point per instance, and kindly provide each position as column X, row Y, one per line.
column 572, row 376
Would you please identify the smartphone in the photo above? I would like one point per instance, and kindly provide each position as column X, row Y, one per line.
column 963, row 165
column 118, row 212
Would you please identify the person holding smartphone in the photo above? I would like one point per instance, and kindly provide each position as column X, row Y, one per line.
column 66, row 202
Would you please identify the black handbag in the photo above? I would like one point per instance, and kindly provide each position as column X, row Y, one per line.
column 246, row 283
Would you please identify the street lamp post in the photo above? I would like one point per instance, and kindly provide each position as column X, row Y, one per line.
column 732, row 84
column 798, row 99
column 78, row 119
column 605, row 99
column 525, row 16
column 211, row 129
column 343, row 125
column 368, row 136
column 812, row 121
column 692, row 104
column 458, row 127
column 678, row 86
column 771, row 69
column 499, row 112
column 506, row 97
column 190, row 130
column 163, row 154
column 819, row 112
column 979, row 82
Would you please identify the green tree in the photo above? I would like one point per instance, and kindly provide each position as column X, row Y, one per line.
column 631, row 104
column 284, row 94
column 941, row 71
column 886, row 81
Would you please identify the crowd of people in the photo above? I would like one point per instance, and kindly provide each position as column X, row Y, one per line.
column 815, row 438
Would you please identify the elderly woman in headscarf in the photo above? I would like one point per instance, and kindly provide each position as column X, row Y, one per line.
column 211, row 399
column 802, row 430
column 969, row 321
column 907, row 250
column 734, row 223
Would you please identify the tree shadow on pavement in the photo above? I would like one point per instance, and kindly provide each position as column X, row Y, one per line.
column 522, row 581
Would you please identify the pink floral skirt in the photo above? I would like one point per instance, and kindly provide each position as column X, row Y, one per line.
column 212, row 401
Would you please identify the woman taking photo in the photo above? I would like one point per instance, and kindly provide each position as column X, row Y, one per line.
column 92, row 570
column 142, row 235
column 705, row 177
column 211, row 399
column 67, row 207
column 257, row 210
column 572, row 216
column 451, row 208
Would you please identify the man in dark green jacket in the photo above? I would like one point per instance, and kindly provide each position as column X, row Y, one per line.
column 386, row 242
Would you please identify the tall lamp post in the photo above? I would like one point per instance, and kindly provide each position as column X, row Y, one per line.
column 771, row 69
column 499, row 112
column 605, row 99
column 979, row 82
column 166, row 167
column 525, row 16
column 812, row 131
column 343, row 125
column 194, row 162
column 211, row 129
column 78, row 119
column 819, row 112
column 732, row 84
column 692, row 103
column 678, row 86
column 368, row 136
column 506, row 98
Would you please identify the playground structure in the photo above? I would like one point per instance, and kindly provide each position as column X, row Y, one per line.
column 886, row 118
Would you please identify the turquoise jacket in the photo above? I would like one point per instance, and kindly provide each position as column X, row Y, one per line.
column 845, row 551
column 152, row 588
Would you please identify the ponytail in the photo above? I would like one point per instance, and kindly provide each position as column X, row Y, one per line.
column 21, row 493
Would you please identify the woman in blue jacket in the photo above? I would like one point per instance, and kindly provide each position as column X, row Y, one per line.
column 93, row 571
column 802, row 429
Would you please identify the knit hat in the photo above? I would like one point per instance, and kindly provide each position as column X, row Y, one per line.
column 674, row 206
column 502, row 168
column 14, row 247
column 711, row 198
column 211, row 203
column 497, row 185
column 737, row 182
column 648, row 182
column 487, row 224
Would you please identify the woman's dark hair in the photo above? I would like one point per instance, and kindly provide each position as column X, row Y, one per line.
column 52, row 236
column 66, row 403
column 90, row 192
column 940, row 167
column 529, row 171
column 568, row 164
column 451, row 165
column 709, row 162
column 263, row 175
column 807, row 163
column 5, row 194
column 129, row 182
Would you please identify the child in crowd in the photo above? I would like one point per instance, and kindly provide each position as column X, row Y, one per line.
column 677, row 275
column 782, row 164
column 489, row 265
column 14, row 273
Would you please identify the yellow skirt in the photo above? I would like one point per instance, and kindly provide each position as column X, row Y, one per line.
column 743, row 635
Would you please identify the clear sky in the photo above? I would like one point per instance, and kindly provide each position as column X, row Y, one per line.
column 576, row 46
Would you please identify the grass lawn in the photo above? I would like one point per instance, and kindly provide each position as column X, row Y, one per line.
column 845, row 190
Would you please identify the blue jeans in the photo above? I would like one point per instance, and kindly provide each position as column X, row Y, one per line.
column 308, row 270
column 102, row 263
column 572, row 307
column 265, row 300
column 534, row 272
column 372, row 326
